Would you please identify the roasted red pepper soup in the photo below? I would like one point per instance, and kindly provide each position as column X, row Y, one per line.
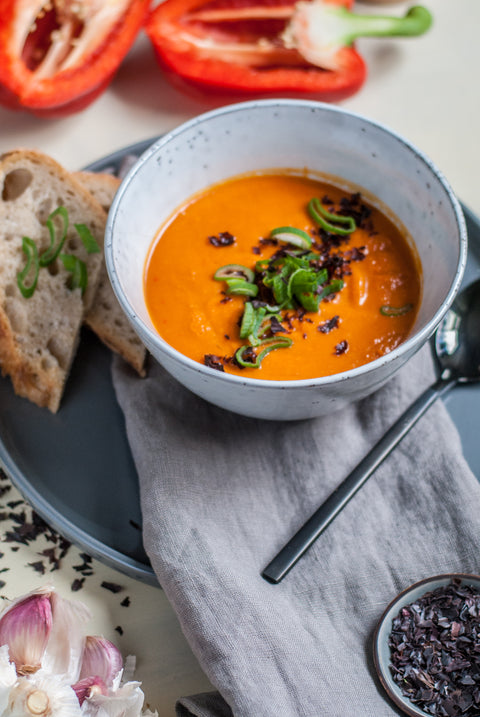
column 276, row 275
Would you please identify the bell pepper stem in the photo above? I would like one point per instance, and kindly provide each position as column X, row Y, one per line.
column 416, row 21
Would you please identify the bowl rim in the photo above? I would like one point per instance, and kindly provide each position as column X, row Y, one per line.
column 407, row 347
column 392, row 608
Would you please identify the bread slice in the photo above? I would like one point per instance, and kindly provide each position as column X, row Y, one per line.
column 106, row 317
column 39, row 335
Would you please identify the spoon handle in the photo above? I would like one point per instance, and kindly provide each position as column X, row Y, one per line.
column 323, row 516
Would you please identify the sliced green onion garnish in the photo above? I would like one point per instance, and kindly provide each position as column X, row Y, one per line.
column 32, row 266
column 309, row 301
column 262, row 265
column 248, row 320
column 240, row 287
column 324, row 219
column 234, row 271
column 50, row 254
column 88, row 240
column 395, row 311
column 334, row 286
column 292, row 235
column 278, row 342
column 78, row 269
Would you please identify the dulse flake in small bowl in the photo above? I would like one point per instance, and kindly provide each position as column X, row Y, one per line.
column 427, row 647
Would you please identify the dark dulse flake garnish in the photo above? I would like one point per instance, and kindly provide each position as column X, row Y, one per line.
column 213, row 361
column 326, row 326
column 222, row 239
column 435, row 651
column 341, row 348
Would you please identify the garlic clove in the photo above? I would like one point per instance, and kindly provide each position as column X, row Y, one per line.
column 25, row 627
column 101, row 658
column 66, row 641
column 88, row 687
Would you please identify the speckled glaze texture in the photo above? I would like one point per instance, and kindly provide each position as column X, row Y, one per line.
column 271, row 134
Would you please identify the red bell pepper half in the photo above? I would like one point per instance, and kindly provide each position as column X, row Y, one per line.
column 270, row 46
column 57, row 56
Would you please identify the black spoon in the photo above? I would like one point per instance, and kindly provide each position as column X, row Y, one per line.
column 457, row 348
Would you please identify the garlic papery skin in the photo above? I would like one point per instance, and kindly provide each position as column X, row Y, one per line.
column 67, row 638
column 8, row 677
column 25, row 626
column 42, row 696
column 127, row 701
column 101, row 658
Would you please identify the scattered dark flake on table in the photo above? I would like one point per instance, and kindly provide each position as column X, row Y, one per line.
column 15, row 503
column 38, row 566
column 125, row 602
column 77, row 584
column 435, row 651
column 113, row 587
column 135, row 525
column 119, row 630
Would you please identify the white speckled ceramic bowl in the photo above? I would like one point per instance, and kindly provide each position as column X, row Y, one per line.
column 381, row 649
column 277, row 134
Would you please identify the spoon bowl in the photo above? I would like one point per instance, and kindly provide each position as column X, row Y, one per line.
column 457, row 340
column 457, row 350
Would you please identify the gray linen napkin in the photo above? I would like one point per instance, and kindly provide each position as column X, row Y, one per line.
column 221, row 494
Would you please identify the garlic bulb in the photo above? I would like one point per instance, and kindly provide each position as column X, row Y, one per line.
column 49, row 668
column 42, row 695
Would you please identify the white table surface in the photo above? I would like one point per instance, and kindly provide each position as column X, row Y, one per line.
column 424, row 88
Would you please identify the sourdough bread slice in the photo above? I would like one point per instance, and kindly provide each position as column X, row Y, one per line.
column 39, row 335
column 105, row 316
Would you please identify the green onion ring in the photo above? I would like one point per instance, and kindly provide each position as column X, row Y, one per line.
column 281, row 342
column 395, row 311
column 78, row 269
column 292, row 235
column 50, row 254
column 248, row 320
column 30, row 249
column 240, row 287
column 87, row 238
column 324, row 218
column 234, row 271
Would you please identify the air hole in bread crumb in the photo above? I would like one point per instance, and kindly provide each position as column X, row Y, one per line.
column 15, row 183
column 73, row 244
column 105, row 305
column 54, row 346
column 44, row 210
column 47, row 363
column 53, row 268
column 10, row 290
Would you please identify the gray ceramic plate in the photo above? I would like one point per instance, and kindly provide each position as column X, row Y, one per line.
column 75, row 468
column 381, row 650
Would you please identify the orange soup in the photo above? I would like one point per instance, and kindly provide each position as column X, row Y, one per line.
column 279, row 276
